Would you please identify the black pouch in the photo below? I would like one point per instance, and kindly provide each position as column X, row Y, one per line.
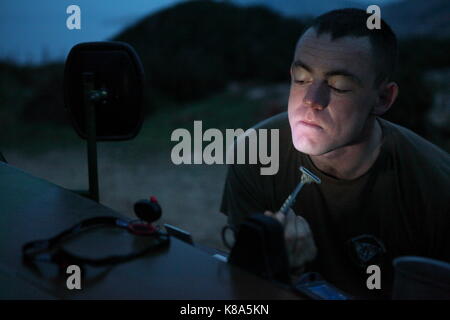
column 260, row 248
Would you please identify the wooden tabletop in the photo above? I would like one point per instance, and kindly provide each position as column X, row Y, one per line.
column 32, row 209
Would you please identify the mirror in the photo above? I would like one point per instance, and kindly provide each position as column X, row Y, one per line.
column 113, row 73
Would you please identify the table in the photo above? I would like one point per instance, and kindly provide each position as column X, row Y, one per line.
column 32, row 208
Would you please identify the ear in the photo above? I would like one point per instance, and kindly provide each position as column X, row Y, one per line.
column 387, row 93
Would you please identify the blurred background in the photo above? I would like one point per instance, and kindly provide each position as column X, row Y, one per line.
column 223, row 62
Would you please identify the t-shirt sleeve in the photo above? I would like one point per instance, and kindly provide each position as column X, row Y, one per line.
column 243, row 193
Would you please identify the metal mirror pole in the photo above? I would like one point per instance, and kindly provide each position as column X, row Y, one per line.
column 88, row 87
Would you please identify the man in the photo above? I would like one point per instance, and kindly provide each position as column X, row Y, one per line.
column 384, row 190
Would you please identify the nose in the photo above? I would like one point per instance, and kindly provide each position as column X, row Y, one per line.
column 317, row 96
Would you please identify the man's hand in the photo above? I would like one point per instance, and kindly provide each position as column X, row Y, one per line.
column 300, row 244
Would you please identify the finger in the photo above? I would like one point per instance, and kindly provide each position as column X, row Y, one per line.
column 301, row 228
column 280, row 217
column 307, row 246
column 268, row 213
column 290, row 217
column 275, row 216
column 290, row 227
column 305, row 252
column 303, row 249
column 291, row 231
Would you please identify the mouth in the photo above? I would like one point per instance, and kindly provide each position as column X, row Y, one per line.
column 310, row 124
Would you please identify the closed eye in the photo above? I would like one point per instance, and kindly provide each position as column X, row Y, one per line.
column 301, row 82
column 338, row 90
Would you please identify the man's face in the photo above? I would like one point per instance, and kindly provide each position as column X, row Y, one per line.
column 332, row 92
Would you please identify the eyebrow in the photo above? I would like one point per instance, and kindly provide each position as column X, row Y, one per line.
column 338, row 72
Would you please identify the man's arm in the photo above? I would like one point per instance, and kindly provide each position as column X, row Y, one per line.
column 244, row 194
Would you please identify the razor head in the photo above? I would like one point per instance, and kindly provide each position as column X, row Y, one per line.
column 308, row 176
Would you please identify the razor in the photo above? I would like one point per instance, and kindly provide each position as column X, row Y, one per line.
column 307, row 177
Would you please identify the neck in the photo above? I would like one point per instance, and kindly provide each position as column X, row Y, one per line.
column 352, row 161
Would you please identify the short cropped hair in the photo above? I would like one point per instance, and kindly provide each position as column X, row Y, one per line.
column 353, row 22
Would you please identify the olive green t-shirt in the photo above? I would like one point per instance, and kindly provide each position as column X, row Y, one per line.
column 402, row 201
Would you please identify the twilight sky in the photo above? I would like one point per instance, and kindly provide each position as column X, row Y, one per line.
column 34, row 31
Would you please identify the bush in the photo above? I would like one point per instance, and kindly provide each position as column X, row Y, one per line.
column 196, row 48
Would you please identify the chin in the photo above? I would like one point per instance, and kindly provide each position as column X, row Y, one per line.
column 308, row 146
column 308, row 141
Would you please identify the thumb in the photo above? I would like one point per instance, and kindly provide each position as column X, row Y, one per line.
column 290, row 217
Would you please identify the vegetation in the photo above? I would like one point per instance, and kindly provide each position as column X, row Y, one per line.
column 191, row 53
